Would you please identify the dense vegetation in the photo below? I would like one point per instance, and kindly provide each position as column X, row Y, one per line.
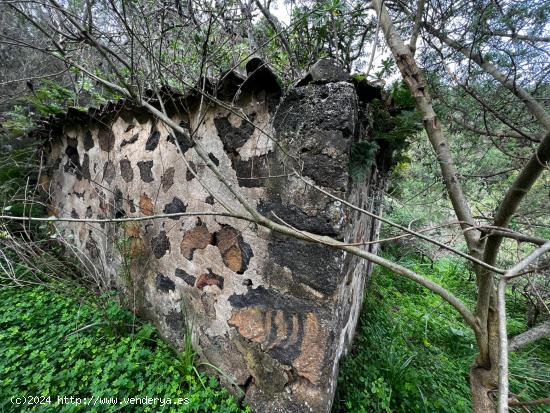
column 412, row 352
column 54, row 345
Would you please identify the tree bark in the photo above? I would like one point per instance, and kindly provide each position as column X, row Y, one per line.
column 482, row 386
column 529, row 336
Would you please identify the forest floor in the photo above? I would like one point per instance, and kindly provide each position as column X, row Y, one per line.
column 53, row 346
column 412, row 352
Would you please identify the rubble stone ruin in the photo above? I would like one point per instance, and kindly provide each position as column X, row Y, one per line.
column 273, row 313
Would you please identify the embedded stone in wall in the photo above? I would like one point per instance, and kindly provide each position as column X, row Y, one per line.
column 197, row 238
column 167, row 179
column 109, row 172
column 91, row 247
column 235, row 252
column 153, row 140
column 160, row 244
column 184, row 143
column 88, row 141
column 234, row 137
column 146, row 206
column 287, row 328
column 210, row 279
column 73, row 158
column 213, row 158
column 106, row 139
column 174, row 207
column 174, row 321
column 126, row 170
column 191, row 171
column 185, row 276
column 145, row 171
column 133, row 139
column 86, row 167
column 164, row 283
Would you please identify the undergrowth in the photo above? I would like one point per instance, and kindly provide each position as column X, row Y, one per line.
column 412, row 352
column 55, row 346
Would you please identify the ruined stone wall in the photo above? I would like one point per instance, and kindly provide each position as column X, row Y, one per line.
column 275, row 314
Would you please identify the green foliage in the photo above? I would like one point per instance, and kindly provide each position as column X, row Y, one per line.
column 396, row 122
column 42, row 353
column 327, row 28
column 18, row 122
column 362, row 156
column 15, row 169
column 50, row 98
column 412, row 352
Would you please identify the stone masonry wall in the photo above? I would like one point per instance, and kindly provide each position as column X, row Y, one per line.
column 275, row 314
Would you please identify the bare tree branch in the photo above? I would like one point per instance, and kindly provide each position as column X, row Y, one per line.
column 517, row 36
column 513, row 272
column 417, row 26
column 529, row 336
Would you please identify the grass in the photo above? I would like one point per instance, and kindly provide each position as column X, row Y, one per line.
column 412, row 352
column 52, row 346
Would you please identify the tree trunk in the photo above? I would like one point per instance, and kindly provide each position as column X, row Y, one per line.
column 483, row 387
column 484, row 371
